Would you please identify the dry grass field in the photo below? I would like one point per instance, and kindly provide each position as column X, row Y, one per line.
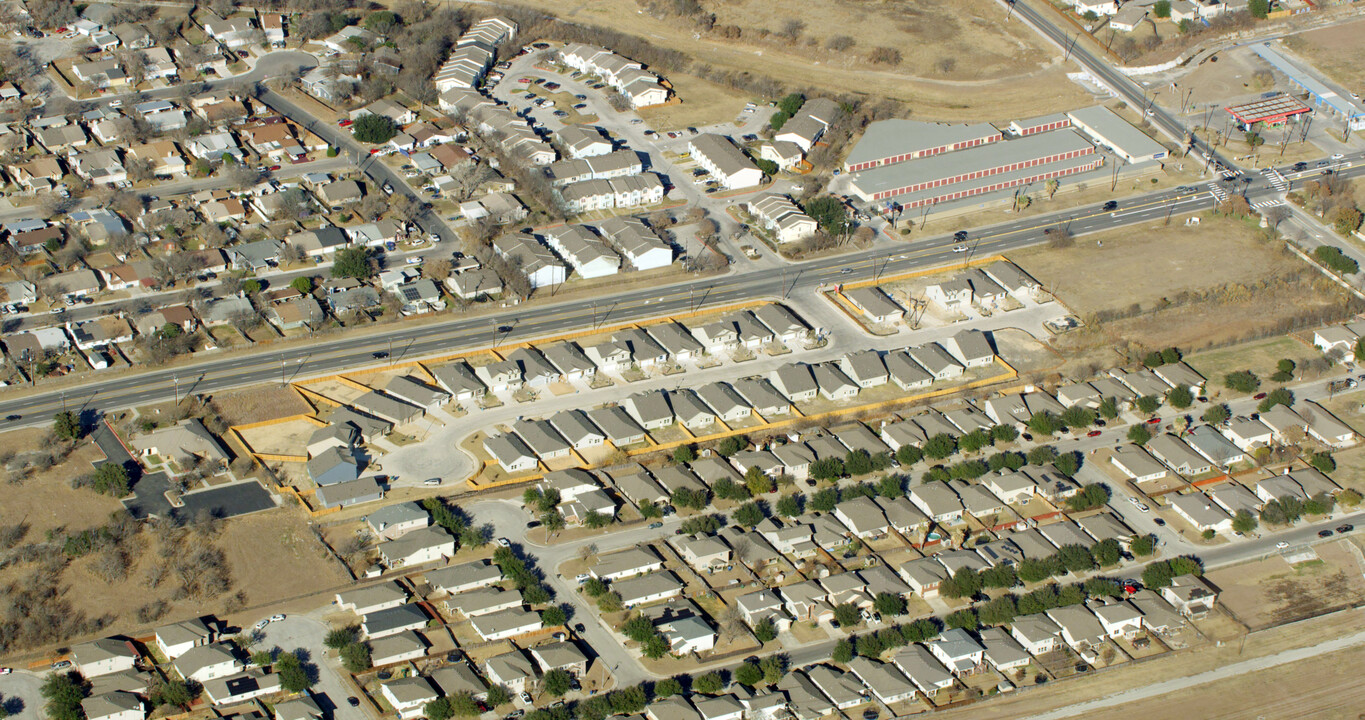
column 1335, row 51
column 959, row 60
column 1323, row 689
column 1273, row 592
column 138, row 576
column 1259, row 357
column 1187, row 286
column 261, row 402
column 46, row 501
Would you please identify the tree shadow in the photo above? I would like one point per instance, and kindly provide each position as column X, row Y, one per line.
column 12, row 706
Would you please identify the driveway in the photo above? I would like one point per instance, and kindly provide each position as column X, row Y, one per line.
column 301, row 632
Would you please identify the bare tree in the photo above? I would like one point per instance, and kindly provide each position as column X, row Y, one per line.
column 438, row 269
column 245, row 321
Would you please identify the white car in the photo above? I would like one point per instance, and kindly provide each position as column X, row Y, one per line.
column 6, row 671
column 503, row 542
column 1281, row 545
column 276, row 618
column 960, row 249
column 1337, row 156
column 261, row 625
column 1133, row 500
column 1144, row 508
column 581, row 578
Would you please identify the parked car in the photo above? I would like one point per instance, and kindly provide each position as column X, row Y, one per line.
column 1281, row 545
column 1324, row 533
column 1343, row 529
column 655, row 525
column 1093, row 433
column 277, row 618
column 353, row 701
column 503, row 542
column 525, row 696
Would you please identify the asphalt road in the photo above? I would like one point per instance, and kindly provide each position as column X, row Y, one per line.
column 531, row 321
column 1129, row 91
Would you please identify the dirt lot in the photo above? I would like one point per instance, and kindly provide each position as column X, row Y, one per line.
column 259, row 403
column 1270, row 591
column 287, row 438
column 1335, row 51
column 1190, row 287
column 959, row 61
column 46, row 501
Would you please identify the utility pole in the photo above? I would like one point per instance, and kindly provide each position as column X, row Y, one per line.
column 175, row 380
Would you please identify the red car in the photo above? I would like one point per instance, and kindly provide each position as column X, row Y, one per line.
column 524, row 81
column 374, row 151
column 1259, row 396
column 1093, row 433
column 1153, row 421
column 273, row 168
column 343, row 123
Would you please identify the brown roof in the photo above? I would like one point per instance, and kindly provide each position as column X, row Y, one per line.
column 448, row 155
column 37, row 237
column 178, row 314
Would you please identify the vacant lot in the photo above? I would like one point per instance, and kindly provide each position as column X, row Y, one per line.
column 702, row 103
column 1335, row 51
column 154, row 574
column 1187, row 286
column 959, row 60
column 46, row 501
column 270, row 556
column 1258, row 356
column 1272, row 592
column 286, row 438
column 1321, row 687
column 1146, row 264
column 263, row 402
